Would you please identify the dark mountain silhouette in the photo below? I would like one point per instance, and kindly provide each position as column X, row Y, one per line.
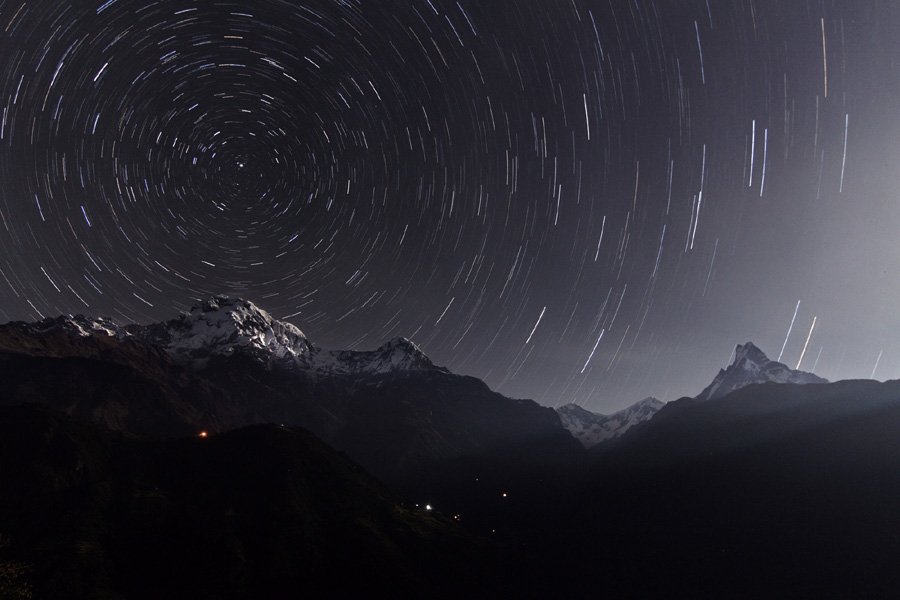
column 772, row 491
column 758, row 488
column 229, row 364
column 260, row 512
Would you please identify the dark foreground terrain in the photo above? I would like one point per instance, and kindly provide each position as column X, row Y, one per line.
column 107, row 491
column 261, row 512
column 773, row 491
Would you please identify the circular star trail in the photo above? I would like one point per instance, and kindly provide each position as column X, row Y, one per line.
column 574, row 200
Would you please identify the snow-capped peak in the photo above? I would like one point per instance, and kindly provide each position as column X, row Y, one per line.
column 75, row 326
column 749, row 356
column 646, row 407
column 592, row 428
column 221, row 326
column 221, row 314
column 751, row 366
column 402, row 353
column 397, row 355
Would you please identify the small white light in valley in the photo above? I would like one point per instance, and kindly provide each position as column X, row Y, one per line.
column 427, row 507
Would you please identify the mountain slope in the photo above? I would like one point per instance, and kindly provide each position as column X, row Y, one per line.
column 126, row 385
column 775, row 490
column 751, row 366
column 228, row 364
column 591, row 428
column 221, row 327
column 261, row 512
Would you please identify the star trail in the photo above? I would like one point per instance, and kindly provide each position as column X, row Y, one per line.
column 575, row 200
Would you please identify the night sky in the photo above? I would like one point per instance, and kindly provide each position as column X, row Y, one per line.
column 575, row 200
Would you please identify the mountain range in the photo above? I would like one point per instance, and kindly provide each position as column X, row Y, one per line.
column 260, row 512
column 770, row 482
column 221, row 327
column 750, row 366
column 227, row 363
column 591, row 428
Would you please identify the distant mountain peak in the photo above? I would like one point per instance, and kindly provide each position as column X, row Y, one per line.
column 244, row 313
column 750, row 353
column 401, row 342
column 76, row 326
column 397, row 355
column 649, row 402
column 403, row 347
column 227, row 304
column 593, row 428
column 224, row 326
column 214, row 303
column 751, row 365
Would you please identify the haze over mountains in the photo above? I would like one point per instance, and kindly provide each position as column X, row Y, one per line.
column 770, row 481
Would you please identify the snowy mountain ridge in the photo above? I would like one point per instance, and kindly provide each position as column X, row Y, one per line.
column 77, row 326
column 591, row 428
column 750, row 366
column 223, row 326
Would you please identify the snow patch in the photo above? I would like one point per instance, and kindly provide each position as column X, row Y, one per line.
column 752, row 366
column 223, row 326
column 593, row 428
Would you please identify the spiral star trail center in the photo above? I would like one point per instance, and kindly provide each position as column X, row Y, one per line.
column 449, row 170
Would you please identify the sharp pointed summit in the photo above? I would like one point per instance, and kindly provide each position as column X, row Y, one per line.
column 750, row 366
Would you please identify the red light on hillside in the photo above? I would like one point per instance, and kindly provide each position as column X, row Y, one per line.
column 203, row 434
